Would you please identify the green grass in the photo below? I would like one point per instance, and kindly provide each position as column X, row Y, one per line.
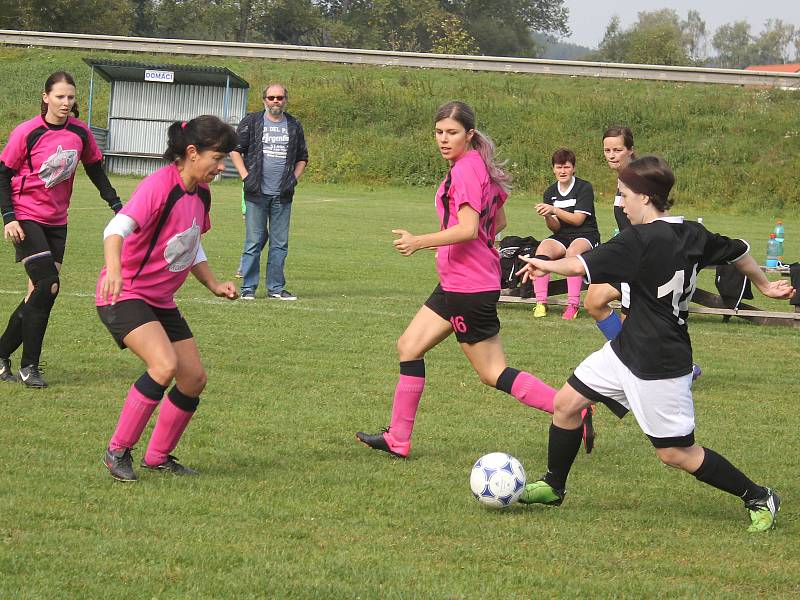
column 735, row 149
column 290, row 506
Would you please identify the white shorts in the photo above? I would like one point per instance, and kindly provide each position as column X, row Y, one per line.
column 663, row 408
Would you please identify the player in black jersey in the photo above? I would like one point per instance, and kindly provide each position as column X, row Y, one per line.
column 568, row 211
column 618, row 152
column 647, row 368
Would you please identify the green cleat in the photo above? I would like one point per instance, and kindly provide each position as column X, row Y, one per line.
column 540, row 492
column 763, row 512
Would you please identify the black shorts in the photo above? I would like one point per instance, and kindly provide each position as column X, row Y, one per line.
column 565, row 239
column 473, row 316
column 123, row 317
column 42, row 238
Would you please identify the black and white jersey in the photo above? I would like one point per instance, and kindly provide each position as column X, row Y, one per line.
column 659, row 261
column 623, row 222
column 579, row 198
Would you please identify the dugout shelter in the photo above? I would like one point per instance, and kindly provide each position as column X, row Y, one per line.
column 146, row 99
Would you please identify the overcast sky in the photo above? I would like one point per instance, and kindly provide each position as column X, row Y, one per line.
column 588, row 18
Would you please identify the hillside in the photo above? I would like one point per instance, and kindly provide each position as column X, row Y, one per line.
column 732, row 147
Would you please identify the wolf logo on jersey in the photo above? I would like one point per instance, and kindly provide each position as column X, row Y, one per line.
column 58, row 167
column 181, row 249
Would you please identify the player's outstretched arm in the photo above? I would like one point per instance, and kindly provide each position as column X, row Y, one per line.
column 567, row 266
column 466, row 229
column 772, row 289
column 205, row 275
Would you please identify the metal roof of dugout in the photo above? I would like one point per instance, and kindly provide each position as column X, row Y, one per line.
column 146, row 99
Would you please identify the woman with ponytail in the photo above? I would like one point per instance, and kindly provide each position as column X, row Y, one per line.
column 469, row 203
column 150, row 248
column 37, row 168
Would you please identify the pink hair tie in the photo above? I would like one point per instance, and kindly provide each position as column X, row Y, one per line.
column 183, row 125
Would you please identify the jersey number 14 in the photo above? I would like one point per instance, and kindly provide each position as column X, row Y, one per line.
column 680, row 295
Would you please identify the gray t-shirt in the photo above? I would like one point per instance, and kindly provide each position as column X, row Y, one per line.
column 274, row 144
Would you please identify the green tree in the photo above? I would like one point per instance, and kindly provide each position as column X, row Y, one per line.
column 504, row 27
column 657, row 38
column 734, row 45
column 774, row 43
column 112, row 17
column 694, row 36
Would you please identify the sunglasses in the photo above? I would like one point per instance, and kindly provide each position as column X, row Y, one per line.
column 273, row 98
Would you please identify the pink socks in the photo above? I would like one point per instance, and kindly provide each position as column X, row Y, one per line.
column 407, row 394
column 133, row 419
column 533, row 392
column 574, row 285
column 540, row 285
column 173, row 418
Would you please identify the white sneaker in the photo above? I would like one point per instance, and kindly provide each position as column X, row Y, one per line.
column 284, row 295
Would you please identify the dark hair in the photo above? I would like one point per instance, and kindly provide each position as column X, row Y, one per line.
column 620, row 131
column 563, row 156
column 55, row 78
column 205, row 132
column 464, row 114
column 285, row 91
column 651, row 176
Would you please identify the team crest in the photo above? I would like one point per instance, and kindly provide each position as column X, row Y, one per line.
column 58, row 167
column 181, row 249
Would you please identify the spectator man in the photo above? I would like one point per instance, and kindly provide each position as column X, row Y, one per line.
column 270, row 157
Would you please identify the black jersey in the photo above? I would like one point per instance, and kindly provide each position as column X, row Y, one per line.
column 623, row 222
column 579, row 198
column 660, row 262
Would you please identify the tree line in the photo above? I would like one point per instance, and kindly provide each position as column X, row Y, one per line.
column 500, row 27
column 662, row 38
column 497, row 28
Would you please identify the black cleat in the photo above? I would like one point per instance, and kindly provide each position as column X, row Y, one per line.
column 171, row 465
column 120, row 464
column 6, row 374
column 379, row 441
column 31, row 376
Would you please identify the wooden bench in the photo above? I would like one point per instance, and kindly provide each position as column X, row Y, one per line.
column 710, row 303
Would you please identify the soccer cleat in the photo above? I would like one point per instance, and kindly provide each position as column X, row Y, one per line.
column 384, row 441
column 6, row 374
column 696, row 371
column 120, row 464
column 171, row 465
column 588, row 433
column 763, row 512
column 284, row 295
column 540, row 492
column 540, row 310
column 32, row 377
column 247, row 295
column 570, row 313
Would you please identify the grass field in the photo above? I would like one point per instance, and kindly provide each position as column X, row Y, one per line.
column 290, row 506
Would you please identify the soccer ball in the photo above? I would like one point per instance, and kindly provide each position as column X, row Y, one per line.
column 497, row 480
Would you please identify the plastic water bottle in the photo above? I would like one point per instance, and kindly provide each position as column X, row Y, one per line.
column 700, row 220
column 773, row 248
column 779, row 230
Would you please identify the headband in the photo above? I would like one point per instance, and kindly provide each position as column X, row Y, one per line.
column 643, row 185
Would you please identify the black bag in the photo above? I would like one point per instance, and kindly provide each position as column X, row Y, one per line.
column 511, row 248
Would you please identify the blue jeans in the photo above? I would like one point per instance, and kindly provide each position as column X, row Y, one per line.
column 267, row 222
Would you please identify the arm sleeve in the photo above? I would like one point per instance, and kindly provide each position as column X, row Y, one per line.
column 302, row 149
column 103, row 185
column 6, row 206
column 720, row 250
column 121, row 225
column 585, row 200
column 616, row 260
column 243, row 135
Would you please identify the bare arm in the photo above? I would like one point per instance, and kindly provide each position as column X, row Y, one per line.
column 466, row 229
column 567, row 266
column 111, row 286
column 748, row 267
column 205, row 275
column 238, row 162
column 548, row 211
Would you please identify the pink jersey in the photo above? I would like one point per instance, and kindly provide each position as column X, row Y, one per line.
column 472, row 266
column 44, row 158
column 155, row 263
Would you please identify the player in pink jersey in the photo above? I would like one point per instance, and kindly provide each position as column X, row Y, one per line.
column 150, row 247
column 37, row 167
column 469, row 203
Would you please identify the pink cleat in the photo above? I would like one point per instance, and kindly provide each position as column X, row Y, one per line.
column 570, row 312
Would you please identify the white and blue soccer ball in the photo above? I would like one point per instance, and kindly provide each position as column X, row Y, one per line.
column 497, row 480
